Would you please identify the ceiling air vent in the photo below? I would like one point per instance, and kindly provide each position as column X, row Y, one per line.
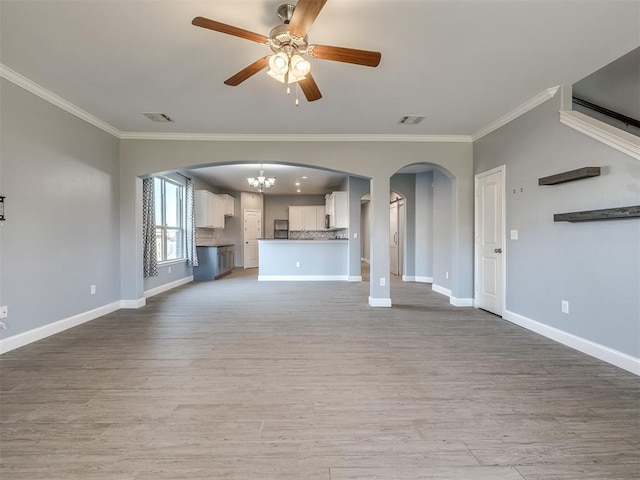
column 157, row 117
column 411, row 119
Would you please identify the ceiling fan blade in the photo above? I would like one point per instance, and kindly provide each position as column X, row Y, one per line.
column 310, row 88
column 228, row 29
column 347, row 55
column 304, row 15
column 247, row 72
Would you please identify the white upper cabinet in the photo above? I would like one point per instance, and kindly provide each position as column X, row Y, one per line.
column 210, row 210
column 337, row 207
column 296, row 221
column 229, row 205
column 307, row 217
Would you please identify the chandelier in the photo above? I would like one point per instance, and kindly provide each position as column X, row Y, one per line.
column 261, row 183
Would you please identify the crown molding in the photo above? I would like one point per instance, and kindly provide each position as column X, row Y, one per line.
column 215, row 137
column 22, row 81
column 30, row 86
column 622, row 141
column 539, row 99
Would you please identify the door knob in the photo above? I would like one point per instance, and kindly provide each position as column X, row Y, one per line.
column 497, row 250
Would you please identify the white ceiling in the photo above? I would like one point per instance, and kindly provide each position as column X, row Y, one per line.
column 234, row 178
column 461, row 63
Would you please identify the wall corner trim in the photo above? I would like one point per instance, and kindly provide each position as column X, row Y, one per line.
column 461, row 302
column 441, row 290
column 136, row 303
column 44, row 331
column 530, row 104
column 167, row 286
column 609, row 135
column 601, row 352
column 379, row 302
column 421, row 279
column 22, row 81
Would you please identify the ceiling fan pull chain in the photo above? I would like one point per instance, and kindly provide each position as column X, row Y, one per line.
column 297, row 92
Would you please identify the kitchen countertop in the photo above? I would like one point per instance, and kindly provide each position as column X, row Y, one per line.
column 305, row 240
column 221, row 245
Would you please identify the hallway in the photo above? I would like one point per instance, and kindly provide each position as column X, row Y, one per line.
column 239, row 379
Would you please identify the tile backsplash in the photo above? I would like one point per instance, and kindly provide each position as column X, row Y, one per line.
column 207, row 237
column 304, row 235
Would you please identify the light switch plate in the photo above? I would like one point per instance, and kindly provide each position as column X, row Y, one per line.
column 514, row 234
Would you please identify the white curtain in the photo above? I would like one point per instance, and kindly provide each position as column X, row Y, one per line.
column 150, row 256
column 192, row 255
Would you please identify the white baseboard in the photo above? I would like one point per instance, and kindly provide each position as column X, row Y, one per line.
column 167, row 286
column 408, row 278
column 355, row 278
column 606, row 354
column 438, row 289
column 455, row 301
column 303, row 278
column 424, row 279
column 379, row 302
column 461, row 302
column 25, row 338
column 137, row 303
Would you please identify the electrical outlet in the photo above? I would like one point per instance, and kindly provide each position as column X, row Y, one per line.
column 355, row 234
column 93, row 289
column 4, row 311
column 446, row 275
column 297, row 264
column 564, row 306
column 383, row 281
column 169, row 270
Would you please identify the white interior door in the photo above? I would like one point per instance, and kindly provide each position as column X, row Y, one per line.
column 252, row 231
column 393, row 238
column 489, row 238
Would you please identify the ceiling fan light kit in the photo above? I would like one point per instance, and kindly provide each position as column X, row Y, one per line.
column 289, row 44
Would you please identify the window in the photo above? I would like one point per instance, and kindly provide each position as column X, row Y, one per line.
column 169, row 213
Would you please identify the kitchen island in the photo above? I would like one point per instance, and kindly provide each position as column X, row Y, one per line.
column 303, row 260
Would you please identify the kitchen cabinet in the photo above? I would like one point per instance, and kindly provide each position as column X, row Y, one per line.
column 306, row 218
column 214, row 262
column 337, row 207
column 229, row 205
column 210, row 210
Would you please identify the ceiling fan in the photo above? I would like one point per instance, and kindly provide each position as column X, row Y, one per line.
column 290, row 45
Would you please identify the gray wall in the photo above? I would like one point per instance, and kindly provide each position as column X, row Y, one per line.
column 365, row 226
column 60, row 177
column 593, row 265
column 277, row 207
column 615, row 87
column 405, row 185
column 424, row 225
column 375, row 160
column 356, row 187
column 442, row 230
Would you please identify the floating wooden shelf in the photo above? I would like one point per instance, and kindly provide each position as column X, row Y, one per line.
column 605, row 214
column 584, row 172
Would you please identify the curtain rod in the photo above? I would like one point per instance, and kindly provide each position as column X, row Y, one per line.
column 188, row 178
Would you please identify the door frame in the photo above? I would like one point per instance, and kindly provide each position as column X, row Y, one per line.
column 476, row 245
column 244, row 239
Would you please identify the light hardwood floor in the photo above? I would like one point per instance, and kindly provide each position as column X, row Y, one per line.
column 236, row 379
